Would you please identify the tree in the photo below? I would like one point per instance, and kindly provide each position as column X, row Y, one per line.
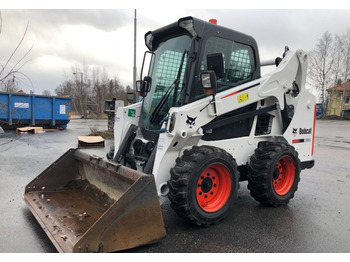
column 46, row 93
column 9, row 85
column 100, row 86
column 338, row 51
column 329, row 65
column 346, row 67
column 81, row 87
column 67, row 88
column 320, row 66
column 90, row 87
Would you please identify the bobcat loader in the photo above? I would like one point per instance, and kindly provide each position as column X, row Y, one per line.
column 207, row 120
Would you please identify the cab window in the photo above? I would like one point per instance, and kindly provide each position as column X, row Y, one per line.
column 239, row 63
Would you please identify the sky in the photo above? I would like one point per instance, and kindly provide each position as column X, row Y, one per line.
column 102, row 36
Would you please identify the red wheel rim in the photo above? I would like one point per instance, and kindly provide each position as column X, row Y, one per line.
column 284, row 175
column 213, row 188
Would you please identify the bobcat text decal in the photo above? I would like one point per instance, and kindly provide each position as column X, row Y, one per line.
column 302, row 131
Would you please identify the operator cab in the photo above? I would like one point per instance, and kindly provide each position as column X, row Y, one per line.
column 179, row 54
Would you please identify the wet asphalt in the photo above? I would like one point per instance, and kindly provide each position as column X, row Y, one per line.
column 317, row 219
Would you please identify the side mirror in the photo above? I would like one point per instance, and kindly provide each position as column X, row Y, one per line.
column 143, row 86
column 215, row 62
column 208, row 80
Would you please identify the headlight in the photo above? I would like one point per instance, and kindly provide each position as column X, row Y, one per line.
column 149, row 39
column 206, row 81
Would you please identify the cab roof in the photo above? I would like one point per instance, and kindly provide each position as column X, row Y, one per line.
column 194, row 27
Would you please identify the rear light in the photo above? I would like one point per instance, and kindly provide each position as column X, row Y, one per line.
column 213, row 21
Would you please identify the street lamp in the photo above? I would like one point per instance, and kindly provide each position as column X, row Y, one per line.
column 81, row 93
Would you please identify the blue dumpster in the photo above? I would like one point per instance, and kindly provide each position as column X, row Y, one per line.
column 18, row 109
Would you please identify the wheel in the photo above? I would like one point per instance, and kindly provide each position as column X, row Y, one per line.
column 273, row 173
column 203, row 185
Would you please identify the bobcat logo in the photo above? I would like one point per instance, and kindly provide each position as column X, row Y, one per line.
column 191, row 120
column 302, row 131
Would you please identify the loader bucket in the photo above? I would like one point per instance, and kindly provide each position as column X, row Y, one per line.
column 86, row 204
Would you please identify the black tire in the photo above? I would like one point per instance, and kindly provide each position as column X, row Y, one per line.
column 273, row 173
column 203, row 185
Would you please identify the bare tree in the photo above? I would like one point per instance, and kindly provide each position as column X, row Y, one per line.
column 82, row 86
column 10, row 85
column 10, row 69
column 100, row 82
column 68, row 89
column 91, row 87
column 346, row 68
column 338, row 55
column 346, row 40
column 46, row 93
column 320, row 66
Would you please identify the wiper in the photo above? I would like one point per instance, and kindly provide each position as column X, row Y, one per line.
column 175, row 85
column 161, row 102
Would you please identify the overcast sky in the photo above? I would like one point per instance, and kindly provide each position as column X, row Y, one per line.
column 62, row 38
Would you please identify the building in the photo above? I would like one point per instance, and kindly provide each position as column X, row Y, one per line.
column 339, row 100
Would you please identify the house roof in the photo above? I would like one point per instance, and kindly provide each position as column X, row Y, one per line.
column 339, row 88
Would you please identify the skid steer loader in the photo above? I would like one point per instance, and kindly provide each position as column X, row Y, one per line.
column 207, row 120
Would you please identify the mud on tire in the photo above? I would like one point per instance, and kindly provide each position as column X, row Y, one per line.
column 203, row 185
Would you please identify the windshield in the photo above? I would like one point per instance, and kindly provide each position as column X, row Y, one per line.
column 167, row 73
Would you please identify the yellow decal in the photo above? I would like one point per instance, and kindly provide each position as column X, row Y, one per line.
column 243, row 97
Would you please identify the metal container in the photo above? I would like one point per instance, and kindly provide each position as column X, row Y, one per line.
column 86, row 204
column 18, row 109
